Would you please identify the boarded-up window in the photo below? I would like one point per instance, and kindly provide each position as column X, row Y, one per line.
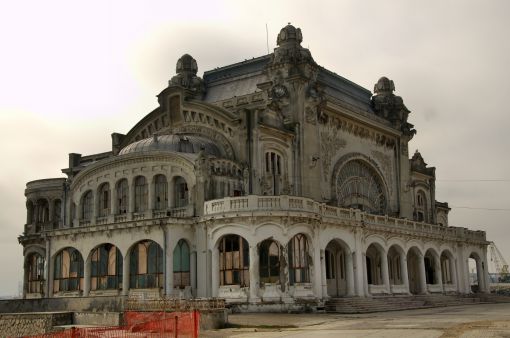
column 68, row 271
column 234, row 261
column 146, row 265
column 141, row 191
column 269, row 256
column 181, row 257
column 298, row 260
column 106, row 268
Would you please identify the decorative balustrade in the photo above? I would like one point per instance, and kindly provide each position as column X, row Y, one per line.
column 253, row 203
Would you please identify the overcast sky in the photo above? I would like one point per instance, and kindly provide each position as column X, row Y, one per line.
column 72, row 73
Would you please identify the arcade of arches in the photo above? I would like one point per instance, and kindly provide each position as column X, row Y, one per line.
column 269, row 264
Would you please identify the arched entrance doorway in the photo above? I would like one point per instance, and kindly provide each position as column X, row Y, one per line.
column 339, row 269
column 397, row 270
column 416, row 271
column 448, row 271
column 476, row 273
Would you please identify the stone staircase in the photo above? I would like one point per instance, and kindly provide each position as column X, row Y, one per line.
column 396, row 303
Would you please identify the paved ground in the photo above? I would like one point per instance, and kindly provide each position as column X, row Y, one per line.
column 484, row 320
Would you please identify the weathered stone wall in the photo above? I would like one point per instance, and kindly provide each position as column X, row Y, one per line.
column 98, row 318
column 73, row 304
column 213, row 319
column 22, row 324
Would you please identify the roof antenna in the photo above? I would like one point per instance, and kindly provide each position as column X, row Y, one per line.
column 267, row 39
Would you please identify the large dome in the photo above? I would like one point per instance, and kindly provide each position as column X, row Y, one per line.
column 176, row 143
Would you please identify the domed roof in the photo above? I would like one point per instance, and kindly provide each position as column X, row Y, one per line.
column 175, row 143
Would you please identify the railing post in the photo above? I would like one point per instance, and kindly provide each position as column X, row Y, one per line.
column 176, row 325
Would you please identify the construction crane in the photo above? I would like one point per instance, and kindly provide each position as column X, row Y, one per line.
column 500, row 263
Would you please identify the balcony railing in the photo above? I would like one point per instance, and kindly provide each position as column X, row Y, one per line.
column 255, row 203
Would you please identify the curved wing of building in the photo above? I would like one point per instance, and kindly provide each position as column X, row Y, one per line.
column 269, row 181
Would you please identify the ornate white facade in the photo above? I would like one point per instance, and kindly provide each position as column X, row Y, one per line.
column 269, row 182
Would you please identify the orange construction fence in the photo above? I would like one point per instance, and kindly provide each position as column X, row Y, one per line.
column 140, row 324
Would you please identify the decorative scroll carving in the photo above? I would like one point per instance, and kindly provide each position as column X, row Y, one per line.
column 330, row 144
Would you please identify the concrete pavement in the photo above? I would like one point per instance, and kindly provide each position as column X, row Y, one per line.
column 483, row 320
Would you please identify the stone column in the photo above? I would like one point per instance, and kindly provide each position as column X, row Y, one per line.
column 317, row 270
column 125, row 274
column 131, row 199
column 51, row 212
column 485, row 266
column 453, row 269
column 151, row 197
column 95, row 206
column 254, row 273
column 404, row 272
column 359, row 266
column 114, row 210
column 423, row 278
column 48, row 277
column 439, row 272
column 324, row 282
column 365, row 277
column 86, row 277
column 385, row 274
column 202, row 267
column 462, row 274
column 349, row 273
column 479, row 276
column 25, row 278
column 171, row 194
column 215, row 272
column 169, row 264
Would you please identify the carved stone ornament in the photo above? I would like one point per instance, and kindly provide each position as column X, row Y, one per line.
column 391, row 107
column 186, row 77
column 330, row 144
column 279, row 91
column 310, row 116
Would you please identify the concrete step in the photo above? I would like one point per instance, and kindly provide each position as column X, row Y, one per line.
column 395, row 303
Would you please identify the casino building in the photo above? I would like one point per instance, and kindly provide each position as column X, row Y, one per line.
column 271, row 182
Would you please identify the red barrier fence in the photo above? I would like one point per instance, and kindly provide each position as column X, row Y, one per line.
column 140, row 324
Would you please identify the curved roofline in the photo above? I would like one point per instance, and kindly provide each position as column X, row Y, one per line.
column 187, row 157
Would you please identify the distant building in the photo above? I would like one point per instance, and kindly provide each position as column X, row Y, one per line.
column 272, row 182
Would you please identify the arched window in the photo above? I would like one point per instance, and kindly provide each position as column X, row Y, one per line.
column 104, row 200
column 298, row 260
column 68, row 271
column 140, row 194
column 122, row 196
column 181, row 192
column 35, row 278
column 161, row 192
column 234, row 261
column 30, row 212
column 146, row 265
column 421, row 213
column 269, row 257
column 358, row 186
column 374, row 264
column 106, row 268
column 86, row 206
column 273, row 173
column 181, row 265
column 42, row 211
column 57, row 213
